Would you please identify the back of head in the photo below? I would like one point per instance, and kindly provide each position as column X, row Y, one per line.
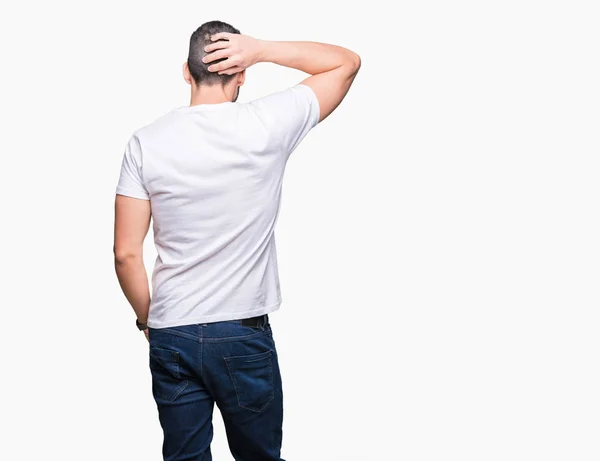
column 199, row 39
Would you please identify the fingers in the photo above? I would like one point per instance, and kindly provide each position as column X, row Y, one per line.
column 225, row 65
column 220, row 54
column 221, row 36
column 222, row 49
column 231, row 70
column 216, row 46
column 220, row 66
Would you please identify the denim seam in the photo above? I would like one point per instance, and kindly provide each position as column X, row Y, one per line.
column 234, row 338
column 201, row 357
column 213, row 340
column 180, row 333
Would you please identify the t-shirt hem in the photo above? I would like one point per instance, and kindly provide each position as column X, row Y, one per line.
column 215, row 317
column 129, row 193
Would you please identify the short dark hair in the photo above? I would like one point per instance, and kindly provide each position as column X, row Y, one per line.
column 199, row 39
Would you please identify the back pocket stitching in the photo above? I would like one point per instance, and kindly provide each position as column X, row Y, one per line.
column 170, row 366
column 235, row 384
column 179, row 390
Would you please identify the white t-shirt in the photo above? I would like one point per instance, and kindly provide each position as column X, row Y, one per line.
column 213, row 175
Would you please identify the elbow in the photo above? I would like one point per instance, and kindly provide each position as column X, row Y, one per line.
column 354, row 62
column 125, row 256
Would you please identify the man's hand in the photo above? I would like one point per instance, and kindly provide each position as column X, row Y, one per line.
column 147, row 334
column 239, row 52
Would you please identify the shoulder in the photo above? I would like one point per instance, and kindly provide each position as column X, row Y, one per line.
column 299, row 92
column 157, row 127
column 290, row 106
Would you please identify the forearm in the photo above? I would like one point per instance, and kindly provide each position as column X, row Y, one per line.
column 310, row 57
column 134, row 283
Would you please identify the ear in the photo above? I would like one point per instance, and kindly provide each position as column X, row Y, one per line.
column 186, row 73
column 241, row 77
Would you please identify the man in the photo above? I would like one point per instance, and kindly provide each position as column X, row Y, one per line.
column 210, row 175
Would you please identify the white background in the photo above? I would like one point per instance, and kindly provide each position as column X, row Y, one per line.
column 438, row 240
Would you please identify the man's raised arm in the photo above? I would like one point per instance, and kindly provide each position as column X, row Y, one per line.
column 332, row 68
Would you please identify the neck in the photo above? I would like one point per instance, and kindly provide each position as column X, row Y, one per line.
column 215, row 94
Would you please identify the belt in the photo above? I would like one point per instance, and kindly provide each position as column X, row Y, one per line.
column 256, row 322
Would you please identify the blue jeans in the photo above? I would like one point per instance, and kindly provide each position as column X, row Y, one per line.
column 227, row 363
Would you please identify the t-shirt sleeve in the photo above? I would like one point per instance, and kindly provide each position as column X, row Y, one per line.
column 289, row 115
column 131, row 181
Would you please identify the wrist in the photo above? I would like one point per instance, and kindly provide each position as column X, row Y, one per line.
column 263, row 51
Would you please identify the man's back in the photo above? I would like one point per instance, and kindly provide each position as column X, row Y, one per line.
column 210, row 176
column 213, row 174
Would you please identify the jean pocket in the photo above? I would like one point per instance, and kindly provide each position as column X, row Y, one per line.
column 252, row 377
column 166, row 378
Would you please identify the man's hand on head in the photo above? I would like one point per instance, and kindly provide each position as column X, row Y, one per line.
column 237, row 51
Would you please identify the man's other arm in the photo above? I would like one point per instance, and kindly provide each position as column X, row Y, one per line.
column 132, row 220
column 332, row 67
